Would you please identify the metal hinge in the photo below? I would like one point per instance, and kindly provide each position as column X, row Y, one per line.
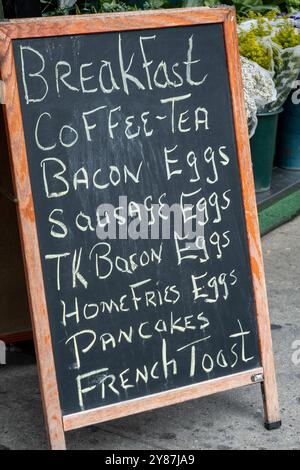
column 257, row 378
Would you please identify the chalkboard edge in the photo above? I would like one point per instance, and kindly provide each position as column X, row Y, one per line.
column 112, row 22
column 159, row 400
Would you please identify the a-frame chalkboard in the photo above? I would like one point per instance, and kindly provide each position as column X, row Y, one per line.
column 143, row 112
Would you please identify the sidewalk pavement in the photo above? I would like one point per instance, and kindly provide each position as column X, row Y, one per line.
column 232, row 420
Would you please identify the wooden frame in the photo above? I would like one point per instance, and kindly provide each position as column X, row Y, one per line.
column 36, row 28
column 15, row 323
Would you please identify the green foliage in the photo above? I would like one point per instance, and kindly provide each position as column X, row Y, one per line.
column 51, row 8
column 243, row 7
column 263, row 27
column 281, row 41
column 287, row 37
column 293, row 5
column 114, row 6
column 253, row 49
column 154, row 4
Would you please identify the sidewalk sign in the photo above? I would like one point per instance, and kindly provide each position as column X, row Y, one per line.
column 138, row 112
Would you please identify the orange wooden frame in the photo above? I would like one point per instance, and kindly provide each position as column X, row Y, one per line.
column 87, row 24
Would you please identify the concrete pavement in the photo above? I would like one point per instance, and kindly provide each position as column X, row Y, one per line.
column 232, row 420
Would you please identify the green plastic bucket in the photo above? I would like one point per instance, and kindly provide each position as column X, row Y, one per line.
column 263, row 145
column 288, row 141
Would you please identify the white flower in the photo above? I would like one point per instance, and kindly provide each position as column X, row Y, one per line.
column 259, row 90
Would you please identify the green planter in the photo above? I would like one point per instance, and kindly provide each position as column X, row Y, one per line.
column 288, row 141
column 263, row 145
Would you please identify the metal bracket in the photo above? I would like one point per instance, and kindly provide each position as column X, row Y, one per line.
column 257, row 378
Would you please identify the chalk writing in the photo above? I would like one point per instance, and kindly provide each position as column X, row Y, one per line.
column 136, row 187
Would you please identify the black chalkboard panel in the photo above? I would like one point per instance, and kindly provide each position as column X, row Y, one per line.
column 120, row 127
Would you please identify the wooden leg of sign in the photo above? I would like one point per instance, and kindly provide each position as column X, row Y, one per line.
column 272, row 414
column 271, row 406
column 57, row 440
column 269, row 385
column 49, row 393
column 55, row 431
